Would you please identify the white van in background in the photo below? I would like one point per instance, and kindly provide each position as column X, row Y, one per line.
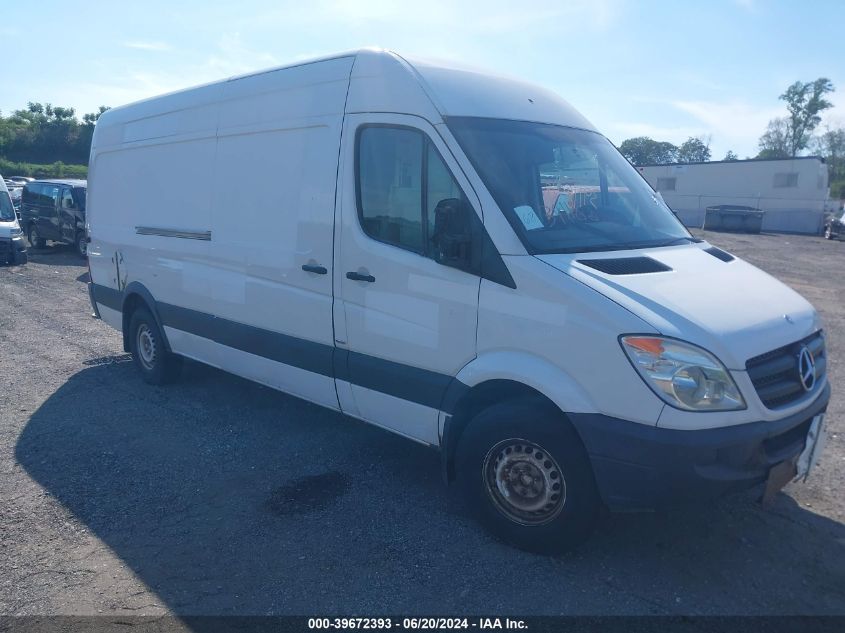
column 460, row 259
column 12, row 245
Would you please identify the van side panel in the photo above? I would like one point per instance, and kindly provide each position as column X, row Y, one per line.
column 228, row 215
column 153, row 187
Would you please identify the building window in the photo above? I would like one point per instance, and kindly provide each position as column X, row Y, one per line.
column 786, row 180
column 666, row 184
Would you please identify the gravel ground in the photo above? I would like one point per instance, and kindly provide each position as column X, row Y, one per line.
column 218, row 496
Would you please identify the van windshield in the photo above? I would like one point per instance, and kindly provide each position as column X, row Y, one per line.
column 566, row 190
column 7, row 211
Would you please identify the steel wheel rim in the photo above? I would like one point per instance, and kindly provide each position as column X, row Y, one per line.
column 146, row 346
column 82, row 247
column 524, row 482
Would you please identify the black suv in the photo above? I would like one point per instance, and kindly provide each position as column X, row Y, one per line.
column 55, row 210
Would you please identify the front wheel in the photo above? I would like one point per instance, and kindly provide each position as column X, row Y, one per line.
column 524, row 471
column 146, row 342
column 33, row 238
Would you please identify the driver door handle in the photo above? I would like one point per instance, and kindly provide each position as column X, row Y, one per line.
column 359, row 277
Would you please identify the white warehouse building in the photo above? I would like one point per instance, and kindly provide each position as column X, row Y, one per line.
column 793, row 192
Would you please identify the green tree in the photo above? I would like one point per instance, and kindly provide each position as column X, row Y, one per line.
column 731, row 156
column 775, row 140
column 831, row 145
column 643, row 150
column 805, row 102
column 47, row 134
column 694, row 150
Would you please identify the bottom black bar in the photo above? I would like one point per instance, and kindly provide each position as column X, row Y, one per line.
column 551, row 624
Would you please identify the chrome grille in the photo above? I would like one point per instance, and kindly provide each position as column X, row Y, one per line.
column 775, row 373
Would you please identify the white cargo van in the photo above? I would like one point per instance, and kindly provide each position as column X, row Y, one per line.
column 12, row 245
column 465, row 261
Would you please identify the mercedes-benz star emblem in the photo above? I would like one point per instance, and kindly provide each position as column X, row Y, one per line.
column 806, row 369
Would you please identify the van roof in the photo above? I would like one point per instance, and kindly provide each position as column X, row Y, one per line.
column 70, row 182
column 393, row 83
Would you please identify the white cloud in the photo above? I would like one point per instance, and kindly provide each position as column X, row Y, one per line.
column 488, row 17
column 674, row 134
column 159, row 47
column 733, row 124
column 231, row 56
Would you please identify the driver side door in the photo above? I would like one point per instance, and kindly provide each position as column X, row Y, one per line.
column 48, row 212
column 405, row 323
column 67, row 216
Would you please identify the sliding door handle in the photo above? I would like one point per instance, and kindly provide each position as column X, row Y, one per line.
column 320, row 270
column 360, row 277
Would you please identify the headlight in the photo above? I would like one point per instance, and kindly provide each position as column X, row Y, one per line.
column 683, row 375
column 16, row 231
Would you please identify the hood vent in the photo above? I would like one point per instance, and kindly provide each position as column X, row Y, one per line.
column 718, row 253
column 626, row 265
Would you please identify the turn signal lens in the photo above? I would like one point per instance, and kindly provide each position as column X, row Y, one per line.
column 683, row 375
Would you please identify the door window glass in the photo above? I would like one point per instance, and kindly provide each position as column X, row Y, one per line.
column 403, row 187
column 67, row 199
column 441, row 188
column 50, row 196
column 390, row 170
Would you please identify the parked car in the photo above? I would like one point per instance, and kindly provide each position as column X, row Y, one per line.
column 835, row 225
column 20, row 180
column 54, row 210
column 12, row 245
column 15, row 193
column 400, row 267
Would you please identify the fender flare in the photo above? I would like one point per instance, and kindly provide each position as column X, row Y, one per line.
column 137, row 289
column 509, row 374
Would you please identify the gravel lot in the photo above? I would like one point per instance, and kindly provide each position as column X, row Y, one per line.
column 218, row 496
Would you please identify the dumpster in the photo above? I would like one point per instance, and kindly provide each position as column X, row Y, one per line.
column 730, row 217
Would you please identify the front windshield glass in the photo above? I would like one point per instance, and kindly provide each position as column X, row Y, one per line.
column 565, row 190
column 7, row 211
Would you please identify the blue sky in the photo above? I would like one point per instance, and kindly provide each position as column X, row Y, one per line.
column 634, row 67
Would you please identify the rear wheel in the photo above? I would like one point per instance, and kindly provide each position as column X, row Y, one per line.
column 524, row 471
column 81, row 244
column 156, row 364
column 32, row 237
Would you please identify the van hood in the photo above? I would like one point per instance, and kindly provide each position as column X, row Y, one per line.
column 732, row 309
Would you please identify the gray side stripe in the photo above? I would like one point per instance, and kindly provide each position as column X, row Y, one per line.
column 308, row 355
column 396, row 379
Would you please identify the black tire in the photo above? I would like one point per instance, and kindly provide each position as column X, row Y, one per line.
column 156, row 364
column 33, row 239
column 81, row 245
column 534, row 422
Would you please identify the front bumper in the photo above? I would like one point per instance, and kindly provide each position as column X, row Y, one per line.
column 639, row 467
column 13, row 250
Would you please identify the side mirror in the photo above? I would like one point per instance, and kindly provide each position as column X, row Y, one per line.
column 452, row 237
